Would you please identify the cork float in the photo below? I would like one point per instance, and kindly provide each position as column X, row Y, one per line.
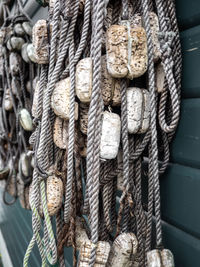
column 110, row 135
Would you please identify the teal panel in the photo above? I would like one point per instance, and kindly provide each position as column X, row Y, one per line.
column 186, row 146
column 15, row 224
column 185, row 247
column 190, row 40
column 40, row 13
column 16, row 227
column 35, row 11
column 180, row 195
column 188, row 13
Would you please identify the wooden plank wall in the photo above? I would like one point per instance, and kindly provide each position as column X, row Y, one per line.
column 180, row 186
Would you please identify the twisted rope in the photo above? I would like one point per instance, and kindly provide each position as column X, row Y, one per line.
column 84, row 36
column 107, row 197
column 59, row 226
column 45, row 137
column 153, row 161
column 93, row 133
column 71, row 131
column 165, row 42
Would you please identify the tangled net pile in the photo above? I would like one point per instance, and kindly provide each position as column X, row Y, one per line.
column 105, row 106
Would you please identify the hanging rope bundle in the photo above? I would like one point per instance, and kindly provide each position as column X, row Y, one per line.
column 18, row 74
column 105, row 108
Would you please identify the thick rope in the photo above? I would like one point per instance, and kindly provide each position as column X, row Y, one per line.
column 154, row 175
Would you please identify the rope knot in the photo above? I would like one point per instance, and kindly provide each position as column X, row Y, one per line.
column 166, row 39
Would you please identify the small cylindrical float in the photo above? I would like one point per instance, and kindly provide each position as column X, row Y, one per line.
column 138, row 109
column 102, row 253
column 25, row 164
column 167, row 258
column 60, row 133
column 60, row 100
column 110, row 135
column 134, row 109
column 80, row 234
column 146, row 112
column 126, row 51
column 40, row 41
column 123, row 250
column 14, row 61
column 160, row 78
column 36, row 97
column 84, row 79
column 15, row 43
column 31, row 53
column 160, row 258
column 110, row 87
column 8, row 104
column 54, row 194
column 26, row 25
column 24, row 53
column 18, row 29
column 136, row 21
column 25, row 120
